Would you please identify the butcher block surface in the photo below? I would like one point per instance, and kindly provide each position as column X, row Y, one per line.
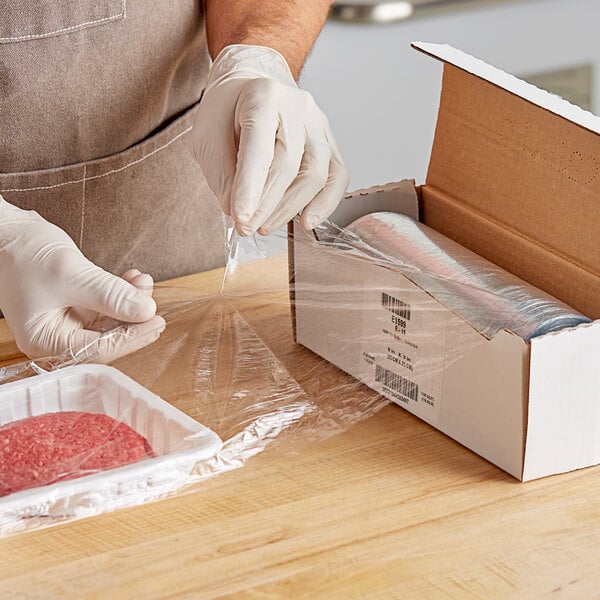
column 390, row 508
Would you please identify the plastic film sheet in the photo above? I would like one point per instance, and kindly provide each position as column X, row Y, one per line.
column 226, row 380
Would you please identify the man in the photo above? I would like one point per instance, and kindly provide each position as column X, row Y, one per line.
column 98, row 113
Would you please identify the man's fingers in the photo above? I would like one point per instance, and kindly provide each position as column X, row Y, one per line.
column 142, row 281
column 88, row 345
column 215, row 150
column 219, row 169
column 130, row 275
column 313, row 176
column 326, row 201
column 257, row 134
column 90, row 319
column 287, row 163
column 97, row 290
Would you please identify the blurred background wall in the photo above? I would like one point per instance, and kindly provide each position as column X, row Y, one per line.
column 381, row 96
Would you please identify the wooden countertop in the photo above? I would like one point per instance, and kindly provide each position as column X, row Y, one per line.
column 389, row 509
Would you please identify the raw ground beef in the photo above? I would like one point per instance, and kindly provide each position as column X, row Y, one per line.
column 65, row 445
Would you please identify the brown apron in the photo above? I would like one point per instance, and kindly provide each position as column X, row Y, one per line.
column 96, row 101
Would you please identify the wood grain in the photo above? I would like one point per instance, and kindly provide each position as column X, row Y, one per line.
column 390, row 508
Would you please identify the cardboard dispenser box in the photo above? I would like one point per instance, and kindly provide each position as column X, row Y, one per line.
column 514, row 176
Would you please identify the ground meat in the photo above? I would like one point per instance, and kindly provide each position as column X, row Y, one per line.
column 65, row 445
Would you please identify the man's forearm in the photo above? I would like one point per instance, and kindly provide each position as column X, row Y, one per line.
column 289, row 26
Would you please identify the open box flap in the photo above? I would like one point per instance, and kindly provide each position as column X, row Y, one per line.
column 522, row 160
column 510, row 83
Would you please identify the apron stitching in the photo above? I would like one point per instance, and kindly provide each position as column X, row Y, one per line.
column 78, row 26
column 82, row 208
column 111, row 172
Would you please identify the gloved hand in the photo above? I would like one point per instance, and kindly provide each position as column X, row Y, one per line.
column 265, row 147
column 55, row 301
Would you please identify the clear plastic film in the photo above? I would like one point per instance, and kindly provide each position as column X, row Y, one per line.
column 240, row 369
column 488, row 297
column 226, row 362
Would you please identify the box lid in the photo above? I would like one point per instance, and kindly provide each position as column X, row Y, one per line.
column 517, row 156
column 510, row 83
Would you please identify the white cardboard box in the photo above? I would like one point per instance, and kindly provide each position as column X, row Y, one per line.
column 514, row 177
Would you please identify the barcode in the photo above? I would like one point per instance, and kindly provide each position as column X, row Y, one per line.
column 396, row 306
column 397, row 383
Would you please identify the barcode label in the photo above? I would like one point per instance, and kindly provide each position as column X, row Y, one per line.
column 397, row 383
column 396, row 306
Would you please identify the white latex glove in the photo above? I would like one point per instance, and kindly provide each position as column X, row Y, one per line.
column 57, row 302
column 265, row 147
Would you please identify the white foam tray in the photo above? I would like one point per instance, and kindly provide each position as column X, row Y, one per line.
column 178, row 441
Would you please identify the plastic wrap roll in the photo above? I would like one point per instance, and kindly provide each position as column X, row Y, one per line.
column 485, row 295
